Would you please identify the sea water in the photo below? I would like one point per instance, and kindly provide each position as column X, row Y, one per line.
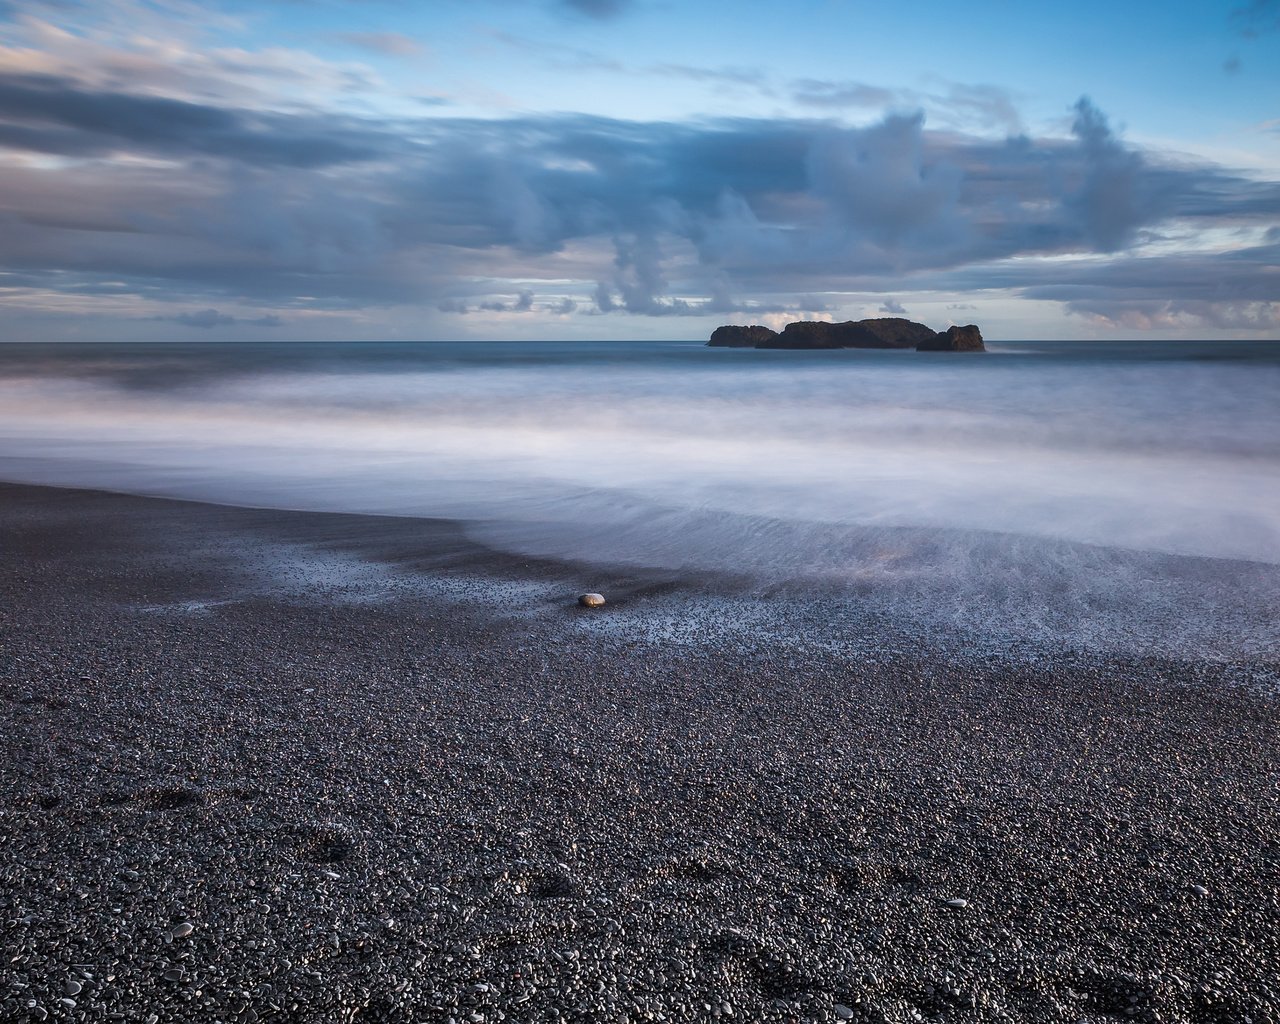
column 1131, row 480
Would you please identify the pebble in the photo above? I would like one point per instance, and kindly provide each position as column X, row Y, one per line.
column 183, row 930
column 957, row 903
column 591, row 600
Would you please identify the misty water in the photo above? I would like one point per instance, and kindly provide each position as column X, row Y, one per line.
column 1126, row 493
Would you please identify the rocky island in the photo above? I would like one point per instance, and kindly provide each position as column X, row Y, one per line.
column 881, row 332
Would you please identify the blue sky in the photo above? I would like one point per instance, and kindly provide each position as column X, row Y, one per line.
column 321, row 169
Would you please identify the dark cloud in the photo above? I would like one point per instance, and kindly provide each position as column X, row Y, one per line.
column 48, row 114
column 1232, row 291
column 206, row 318
column 892, row 307
column 655, row 219
column 601, row 9
column 523, row 304
column 883, row 188
column 1114, row 197
column 210, row 318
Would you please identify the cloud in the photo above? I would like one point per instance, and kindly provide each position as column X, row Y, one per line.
column 812, row 92
column 523, row 304
column 206, row 177
column 389, row 44
column 735, row 77
column 123, row 46
column 892, row 307
column 210, row 318
column 209, row 204
column 1179, row 314
column 961, row 105
column 1234, row 291
column 1114, row 197
column 1256, row 18
column 206, row 319
column 48, row 114
column 883, row 188
column 600, row 9
column 983, row 106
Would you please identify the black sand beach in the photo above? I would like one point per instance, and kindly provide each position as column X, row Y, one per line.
column 300, row 767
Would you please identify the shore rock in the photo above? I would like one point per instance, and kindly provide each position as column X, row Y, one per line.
column 591, row 600
column 954, row 339
column 736, row 336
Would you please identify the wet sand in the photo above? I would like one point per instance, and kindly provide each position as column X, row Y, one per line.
column 288, row 766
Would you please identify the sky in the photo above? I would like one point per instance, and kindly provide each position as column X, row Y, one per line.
column 610, row 169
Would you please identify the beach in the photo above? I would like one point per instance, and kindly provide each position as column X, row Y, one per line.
column 271, row 765
column 628, row 512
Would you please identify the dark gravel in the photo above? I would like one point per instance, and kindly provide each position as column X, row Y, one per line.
column 237, row 785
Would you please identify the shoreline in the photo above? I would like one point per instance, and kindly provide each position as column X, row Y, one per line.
column 387, row 774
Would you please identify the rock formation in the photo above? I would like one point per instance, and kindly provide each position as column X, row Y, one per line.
column 886, row 332
column 955, row 339
column 734, row 336
column 880, row 332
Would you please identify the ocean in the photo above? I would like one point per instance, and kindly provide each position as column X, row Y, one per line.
column 1079, row 489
